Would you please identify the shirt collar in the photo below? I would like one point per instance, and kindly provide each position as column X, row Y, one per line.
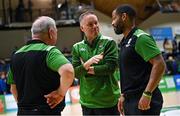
column 130, row 33
column 34, row 42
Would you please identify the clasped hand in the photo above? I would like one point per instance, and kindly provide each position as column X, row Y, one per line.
column 54, row 98
column 144, row 103
column 94, row 60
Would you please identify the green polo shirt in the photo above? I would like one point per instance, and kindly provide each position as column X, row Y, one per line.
column 135, row 52
column 54, row 59
column 34, row 70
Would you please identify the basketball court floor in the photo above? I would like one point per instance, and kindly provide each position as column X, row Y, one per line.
column 171, row 106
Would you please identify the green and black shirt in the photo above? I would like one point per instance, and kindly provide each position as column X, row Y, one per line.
column 135, row 52
column 100, row 90
column 34, row 70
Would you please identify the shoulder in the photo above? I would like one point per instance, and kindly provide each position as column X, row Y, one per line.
column 52, row 50
column 78, row 43
column 107, row 38
column 138, row 33
column 49, row 48
column 143, row 37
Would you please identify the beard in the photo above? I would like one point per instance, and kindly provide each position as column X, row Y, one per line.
column 118, row 30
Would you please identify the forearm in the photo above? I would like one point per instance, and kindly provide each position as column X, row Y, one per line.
column 104, row 69
column 14, row 91
column 66, row 82
column 80, row 71
column 155, row 76
column 67, row 77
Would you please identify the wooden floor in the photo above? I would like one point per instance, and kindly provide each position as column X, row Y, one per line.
column 170, row 99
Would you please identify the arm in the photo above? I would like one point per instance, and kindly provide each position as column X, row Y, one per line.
column 104, row 69
column 77, row 64
column 57, row 62
column 110, row 60
column 67, row 76
column 120, row 104
column 158, row 68
column 80, row 67
column 13, row 90
column 147, row 49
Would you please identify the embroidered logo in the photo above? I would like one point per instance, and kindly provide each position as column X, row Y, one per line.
column 82, row 49
column 100, row 46
column 128, row 44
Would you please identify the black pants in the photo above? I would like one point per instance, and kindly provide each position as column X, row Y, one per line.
column 38, row 110
column 100, row 111
column 131, row 104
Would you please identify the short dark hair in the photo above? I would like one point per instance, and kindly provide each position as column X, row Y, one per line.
column 126, row 8
column 85, row 14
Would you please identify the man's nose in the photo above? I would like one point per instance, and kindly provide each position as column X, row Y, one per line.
column 95, row 25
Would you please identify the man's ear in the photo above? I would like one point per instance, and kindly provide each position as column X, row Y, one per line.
column 124, row 16
column 82, row 29
column 50, row 31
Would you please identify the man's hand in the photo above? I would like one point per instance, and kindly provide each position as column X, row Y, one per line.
column 54, row 98
column 94, row 60
column 120, row 105
column 67, row 75
column 144, row 103
column 91, row 70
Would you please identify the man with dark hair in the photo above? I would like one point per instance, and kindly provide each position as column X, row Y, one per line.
column 141, row 66
column 39, row 73
column 95, row 61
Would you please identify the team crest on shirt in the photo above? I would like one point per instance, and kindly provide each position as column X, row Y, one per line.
column 100, row 46
column 128, row 44
column 82, row 49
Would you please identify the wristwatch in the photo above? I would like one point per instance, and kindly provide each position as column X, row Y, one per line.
column 147, row 93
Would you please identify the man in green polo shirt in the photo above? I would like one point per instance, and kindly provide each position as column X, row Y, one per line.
column 39, row 73
column 141, row 66
column 95, row 61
